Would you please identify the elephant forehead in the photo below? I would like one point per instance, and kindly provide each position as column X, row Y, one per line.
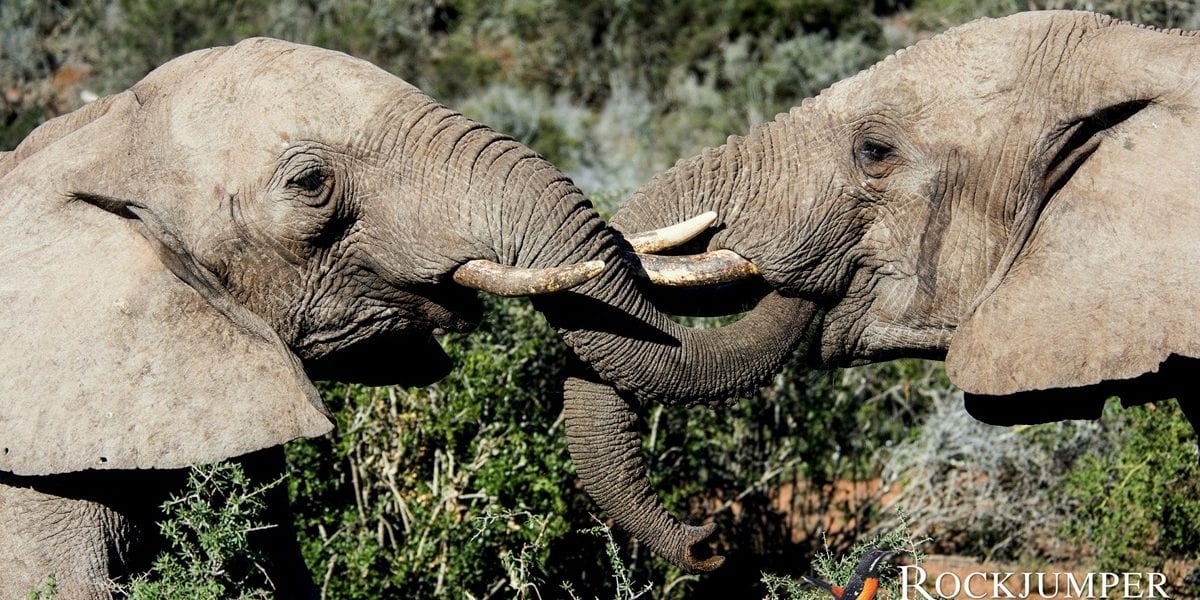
column 270, row 91
column 965, row 67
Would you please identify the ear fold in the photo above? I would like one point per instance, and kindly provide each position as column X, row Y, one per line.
column 1108, row 284
column 109, row 359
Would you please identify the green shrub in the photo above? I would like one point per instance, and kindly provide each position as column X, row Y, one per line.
column 435, row 492
column 624, row 588
column 1139, row 504
column 18, row 124
column 988, row 491
column 207, row 527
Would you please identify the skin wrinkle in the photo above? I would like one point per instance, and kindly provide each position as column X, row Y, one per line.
column 429, row 169
column 962, row 242
column 476, row 150
column 572, row 210
column 434, row 170
column 387, row 135
column 574, row 216
column 725, row 172
column 509, row 243
column 234, row 278
column 520, row 216
column 431, row 206
column 795, row 173
column 1009, row 169
column 492, row 219
column 504, row 168
column 739, row 173
column 934, row 231
column 957, row 287
column 464, row 138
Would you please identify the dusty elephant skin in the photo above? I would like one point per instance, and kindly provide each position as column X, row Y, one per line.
column 183, row 257
column 1015, row 196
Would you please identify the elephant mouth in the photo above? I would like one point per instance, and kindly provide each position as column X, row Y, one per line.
column 406, row 358
column 402, row 350
column 450, row 311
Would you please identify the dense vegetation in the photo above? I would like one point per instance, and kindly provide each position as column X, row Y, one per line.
column 464, row 489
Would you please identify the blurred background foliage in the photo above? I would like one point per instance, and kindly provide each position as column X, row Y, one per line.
column 464, row 489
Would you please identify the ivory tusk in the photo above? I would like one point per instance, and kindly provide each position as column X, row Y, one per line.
column 717, row 266
column 503, row 280
column 670, row 236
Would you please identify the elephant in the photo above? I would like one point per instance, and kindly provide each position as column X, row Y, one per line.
column 1014, row 196
column 184, row 257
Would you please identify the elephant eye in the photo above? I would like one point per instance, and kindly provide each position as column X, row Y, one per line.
column 874, row 158
column 309, row 180
column 872, row 151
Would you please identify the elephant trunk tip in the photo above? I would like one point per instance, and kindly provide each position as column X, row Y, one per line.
column 690, row 554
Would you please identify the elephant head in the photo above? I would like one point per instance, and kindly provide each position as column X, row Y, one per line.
column 182, row 257
column 1015, row 196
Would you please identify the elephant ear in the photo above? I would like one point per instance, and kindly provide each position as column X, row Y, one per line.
column 1107, row 286
column 110, row 359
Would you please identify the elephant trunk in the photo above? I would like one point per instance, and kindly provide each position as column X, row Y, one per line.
column 541, row 220
column 707, row 364
column 605, row 446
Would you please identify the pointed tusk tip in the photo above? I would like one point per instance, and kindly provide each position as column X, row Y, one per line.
column 672, row 235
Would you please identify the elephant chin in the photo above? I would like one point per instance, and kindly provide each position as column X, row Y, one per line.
column 405, row 360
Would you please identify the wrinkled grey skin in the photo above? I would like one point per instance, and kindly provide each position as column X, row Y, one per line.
column 181, row 258
column 1015, row 196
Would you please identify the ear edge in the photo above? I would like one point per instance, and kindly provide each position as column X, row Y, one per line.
column 1171, row 379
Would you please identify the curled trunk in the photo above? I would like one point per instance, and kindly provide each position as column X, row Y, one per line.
column 605, row 446
column 544, row 221
column 541, row 220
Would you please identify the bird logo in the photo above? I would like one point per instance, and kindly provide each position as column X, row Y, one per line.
column 864, row 581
